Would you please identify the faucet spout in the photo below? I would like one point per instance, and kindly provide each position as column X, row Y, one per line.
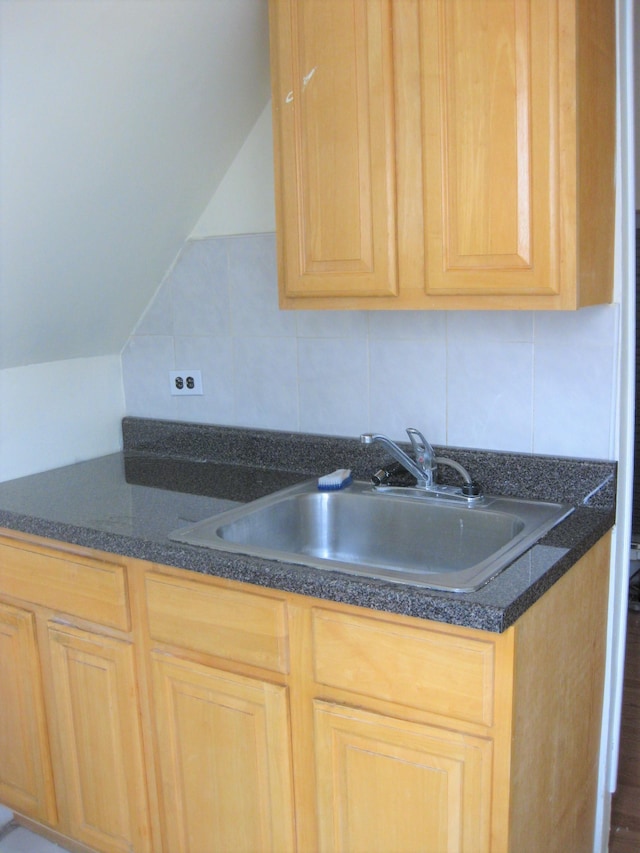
column 423, row 469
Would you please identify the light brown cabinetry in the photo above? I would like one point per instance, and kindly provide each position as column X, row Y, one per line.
column 72, row 754
column 412, row 735
column 26, row 782
column 274, row 721
column 371, row 766
column 409, row 733
column 444, row 154
column 97, row 723
column 222, row 726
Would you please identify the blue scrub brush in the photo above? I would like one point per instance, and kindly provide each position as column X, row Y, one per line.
column 339, row 479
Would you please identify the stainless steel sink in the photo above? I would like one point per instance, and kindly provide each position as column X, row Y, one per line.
column 399, row 535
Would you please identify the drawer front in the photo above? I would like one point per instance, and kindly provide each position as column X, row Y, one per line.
column 447, row 674
column 230, row 624
column 69, row 583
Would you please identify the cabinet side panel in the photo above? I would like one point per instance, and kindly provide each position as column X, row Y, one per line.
column 559, row 679
column 596, row 149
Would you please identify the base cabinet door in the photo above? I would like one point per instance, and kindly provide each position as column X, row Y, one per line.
column 99, row 736
column 25, row 764
column 224, row 760
column 391, row 785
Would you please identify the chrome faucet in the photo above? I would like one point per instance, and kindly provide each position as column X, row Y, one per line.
column 425, row 465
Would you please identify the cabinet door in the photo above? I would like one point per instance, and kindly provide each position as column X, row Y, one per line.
column 502, row 150
column 224, row 760
column 333, row 82
column 386, row 784
column 25, row 764
column 98, row 725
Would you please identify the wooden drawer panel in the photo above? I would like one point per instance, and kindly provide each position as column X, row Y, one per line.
column 70, row 583
column 226, row 623
column 447, row 674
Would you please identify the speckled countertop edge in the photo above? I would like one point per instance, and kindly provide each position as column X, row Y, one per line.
column 154, row 446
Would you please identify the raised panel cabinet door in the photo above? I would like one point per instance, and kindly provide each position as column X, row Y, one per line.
column 502, row 149
column 224, row 758
column 26, row 783
column 489, row 96
column 389, row 785
column 333, row 82
column 98, row 725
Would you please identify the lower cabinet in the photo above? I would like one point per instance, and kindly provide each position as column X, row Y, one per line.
column 220, row 663
column 26, row 780
column 71, row 750
column 96, row 718
column 156, row 710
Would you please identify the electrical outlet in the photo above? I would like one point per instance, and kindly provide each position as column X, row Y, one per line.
column 185, row 382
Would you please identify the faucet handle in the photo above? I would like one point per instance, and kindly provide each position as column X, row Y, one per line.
column 423, row 452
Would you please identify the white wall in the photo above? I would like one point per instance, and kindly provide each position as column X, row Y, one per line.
column 58, row 413
column 119, row 119
column 244, row 201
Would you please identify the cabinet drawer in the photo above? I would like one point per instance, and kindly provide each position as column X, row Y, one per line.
column 218, row 621
column 447, row 674
column 70, row 583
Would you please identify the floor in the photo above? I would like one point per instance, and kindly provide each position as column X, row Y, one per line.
column 19, row 840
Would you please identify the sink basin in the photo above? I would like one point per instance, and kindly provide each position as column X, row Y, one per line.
column 397, row 535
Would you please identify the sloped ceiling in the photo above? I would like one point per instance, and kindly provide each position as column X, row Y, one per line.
column 118, row 119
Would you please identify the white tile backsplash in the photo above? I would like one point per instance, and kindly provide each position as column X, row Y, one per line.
column 470, row 327
column 574, row 392
column 265, row 383
column 333, row 385
column 198, row 307
column 253, row 288
column 332, row 324
column 146, row 362
column 408, row 387
column 489, row 399
column 408, row 325
column 213, row 356
column 524, row 381
column 596, row 325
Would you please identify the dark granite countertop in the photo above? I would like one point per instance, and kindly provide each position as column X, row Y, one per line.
column 173, row 474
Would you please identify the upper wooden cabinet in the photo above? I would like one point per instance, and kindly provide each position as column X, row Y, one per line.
column 444, row 153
